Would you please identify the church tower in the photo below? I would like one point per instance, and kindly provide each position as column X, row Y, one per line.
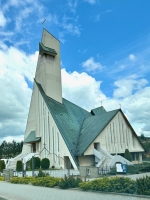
column 48, row 71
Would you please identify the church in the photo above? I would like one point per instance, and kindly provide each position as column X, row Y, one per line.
column 68, row 135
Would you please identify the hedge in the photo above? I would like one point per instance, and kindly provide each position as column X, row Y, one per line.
column 69, row 182
column 114, row 184
column 1, row 178
column 45, row 181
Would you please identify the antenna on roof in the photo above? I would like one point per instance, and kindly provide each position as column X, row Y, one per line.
column 120, row 105
column 44, row 24
column 101, row 103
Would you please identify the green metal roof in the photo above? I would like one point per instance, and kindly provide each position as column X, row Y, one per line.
column 68, row 118
column 98, row 110
column 77, row 126
column 91, row 128
column 46, row 50
column 32, row 138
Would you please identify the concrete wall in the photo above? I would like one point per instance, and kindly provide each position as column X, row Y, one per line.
column 89, row 172
column 48, row 72
column 116, row 137
column 88, row 160
column 46, row 128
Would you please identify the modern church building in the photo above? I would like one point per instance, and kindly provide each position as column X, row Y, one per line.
column 67, row 134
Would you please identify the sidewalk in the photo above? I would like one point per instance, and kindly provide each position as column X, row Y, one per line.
column 29, row 192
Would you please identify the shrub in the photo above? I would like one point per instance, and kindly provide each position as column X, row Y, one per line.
column 132, row 169
column 37, row 163
column 19, row 165
column 127, row 155
column 22, row 180
column 115, row 184
column 112, row 171
column 2, row 165
column 46, row 181
column 1, row 178
column 45, row 163
column 41, row 173
column 69, row 182
column 144, row 167
column 143, row 186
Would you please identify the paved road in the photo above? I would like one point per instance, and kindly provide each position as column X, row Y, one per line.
column 28, row 192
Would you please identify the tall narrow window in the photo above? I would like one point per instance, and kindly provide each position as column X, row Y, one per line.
column 49, row 131
column 53, row 142
column 58, row 140
column 123, row 134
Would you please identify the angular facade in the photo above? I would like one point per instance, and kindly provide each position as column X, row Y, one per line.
column 67, row 134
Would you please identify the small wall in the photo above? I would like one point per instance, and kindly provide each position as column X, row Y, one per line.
column 89, row 172
column 8, row 174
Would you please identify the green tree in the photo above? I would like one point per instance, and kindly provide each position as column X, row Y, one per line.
column 127, row 155
column 37, row 163
column 45, row 163
column 2, row 165
column 19, row 166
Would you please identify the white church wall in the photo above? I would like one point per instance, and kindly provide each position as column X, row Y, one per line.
column 51, row 137
column 112, row 141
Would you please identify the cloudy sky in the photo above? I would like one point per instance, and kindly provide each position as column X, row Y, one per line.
column 105, row 57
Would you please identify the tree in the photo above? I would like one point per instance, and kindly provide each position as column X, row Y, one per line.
column 2, row 165
column 19, row 166
column 127, row 155
column 37, row 163
column 45, row 163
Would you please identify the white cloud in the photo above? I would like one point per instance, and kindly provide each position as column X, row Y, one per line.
column 91, row 66
column 132, row 57
column 14, row 67
column 82, row 89
column 126, row 86
column 92, row 2
column 72, row 5
column 3, row 20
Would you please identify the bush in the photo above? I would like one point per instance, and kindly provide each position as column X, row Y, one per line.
column 69, row 182
column 115, row 184
column 132, row 169
column 1, row 178
column 45, row 163
column 144, row 167
column 112, row 171
column 127, row 155
column 37, row 163
column 143, row 186
column 19, row 166
column 2, row 165
column 21, row 180
column 46, row 181
column 41, row 173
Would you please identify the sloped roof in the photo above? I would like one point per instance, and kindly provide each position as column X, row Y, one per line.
column 32, row 138
column 68, row 118
column 99, row 110
column 91, row 128
column 78, row 127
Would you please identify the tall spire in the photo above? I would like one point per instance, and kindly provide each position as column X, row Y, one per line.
column 48, row 71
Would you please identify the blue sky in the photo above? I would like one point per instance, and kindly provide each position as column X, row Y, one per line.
column 105, row 50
